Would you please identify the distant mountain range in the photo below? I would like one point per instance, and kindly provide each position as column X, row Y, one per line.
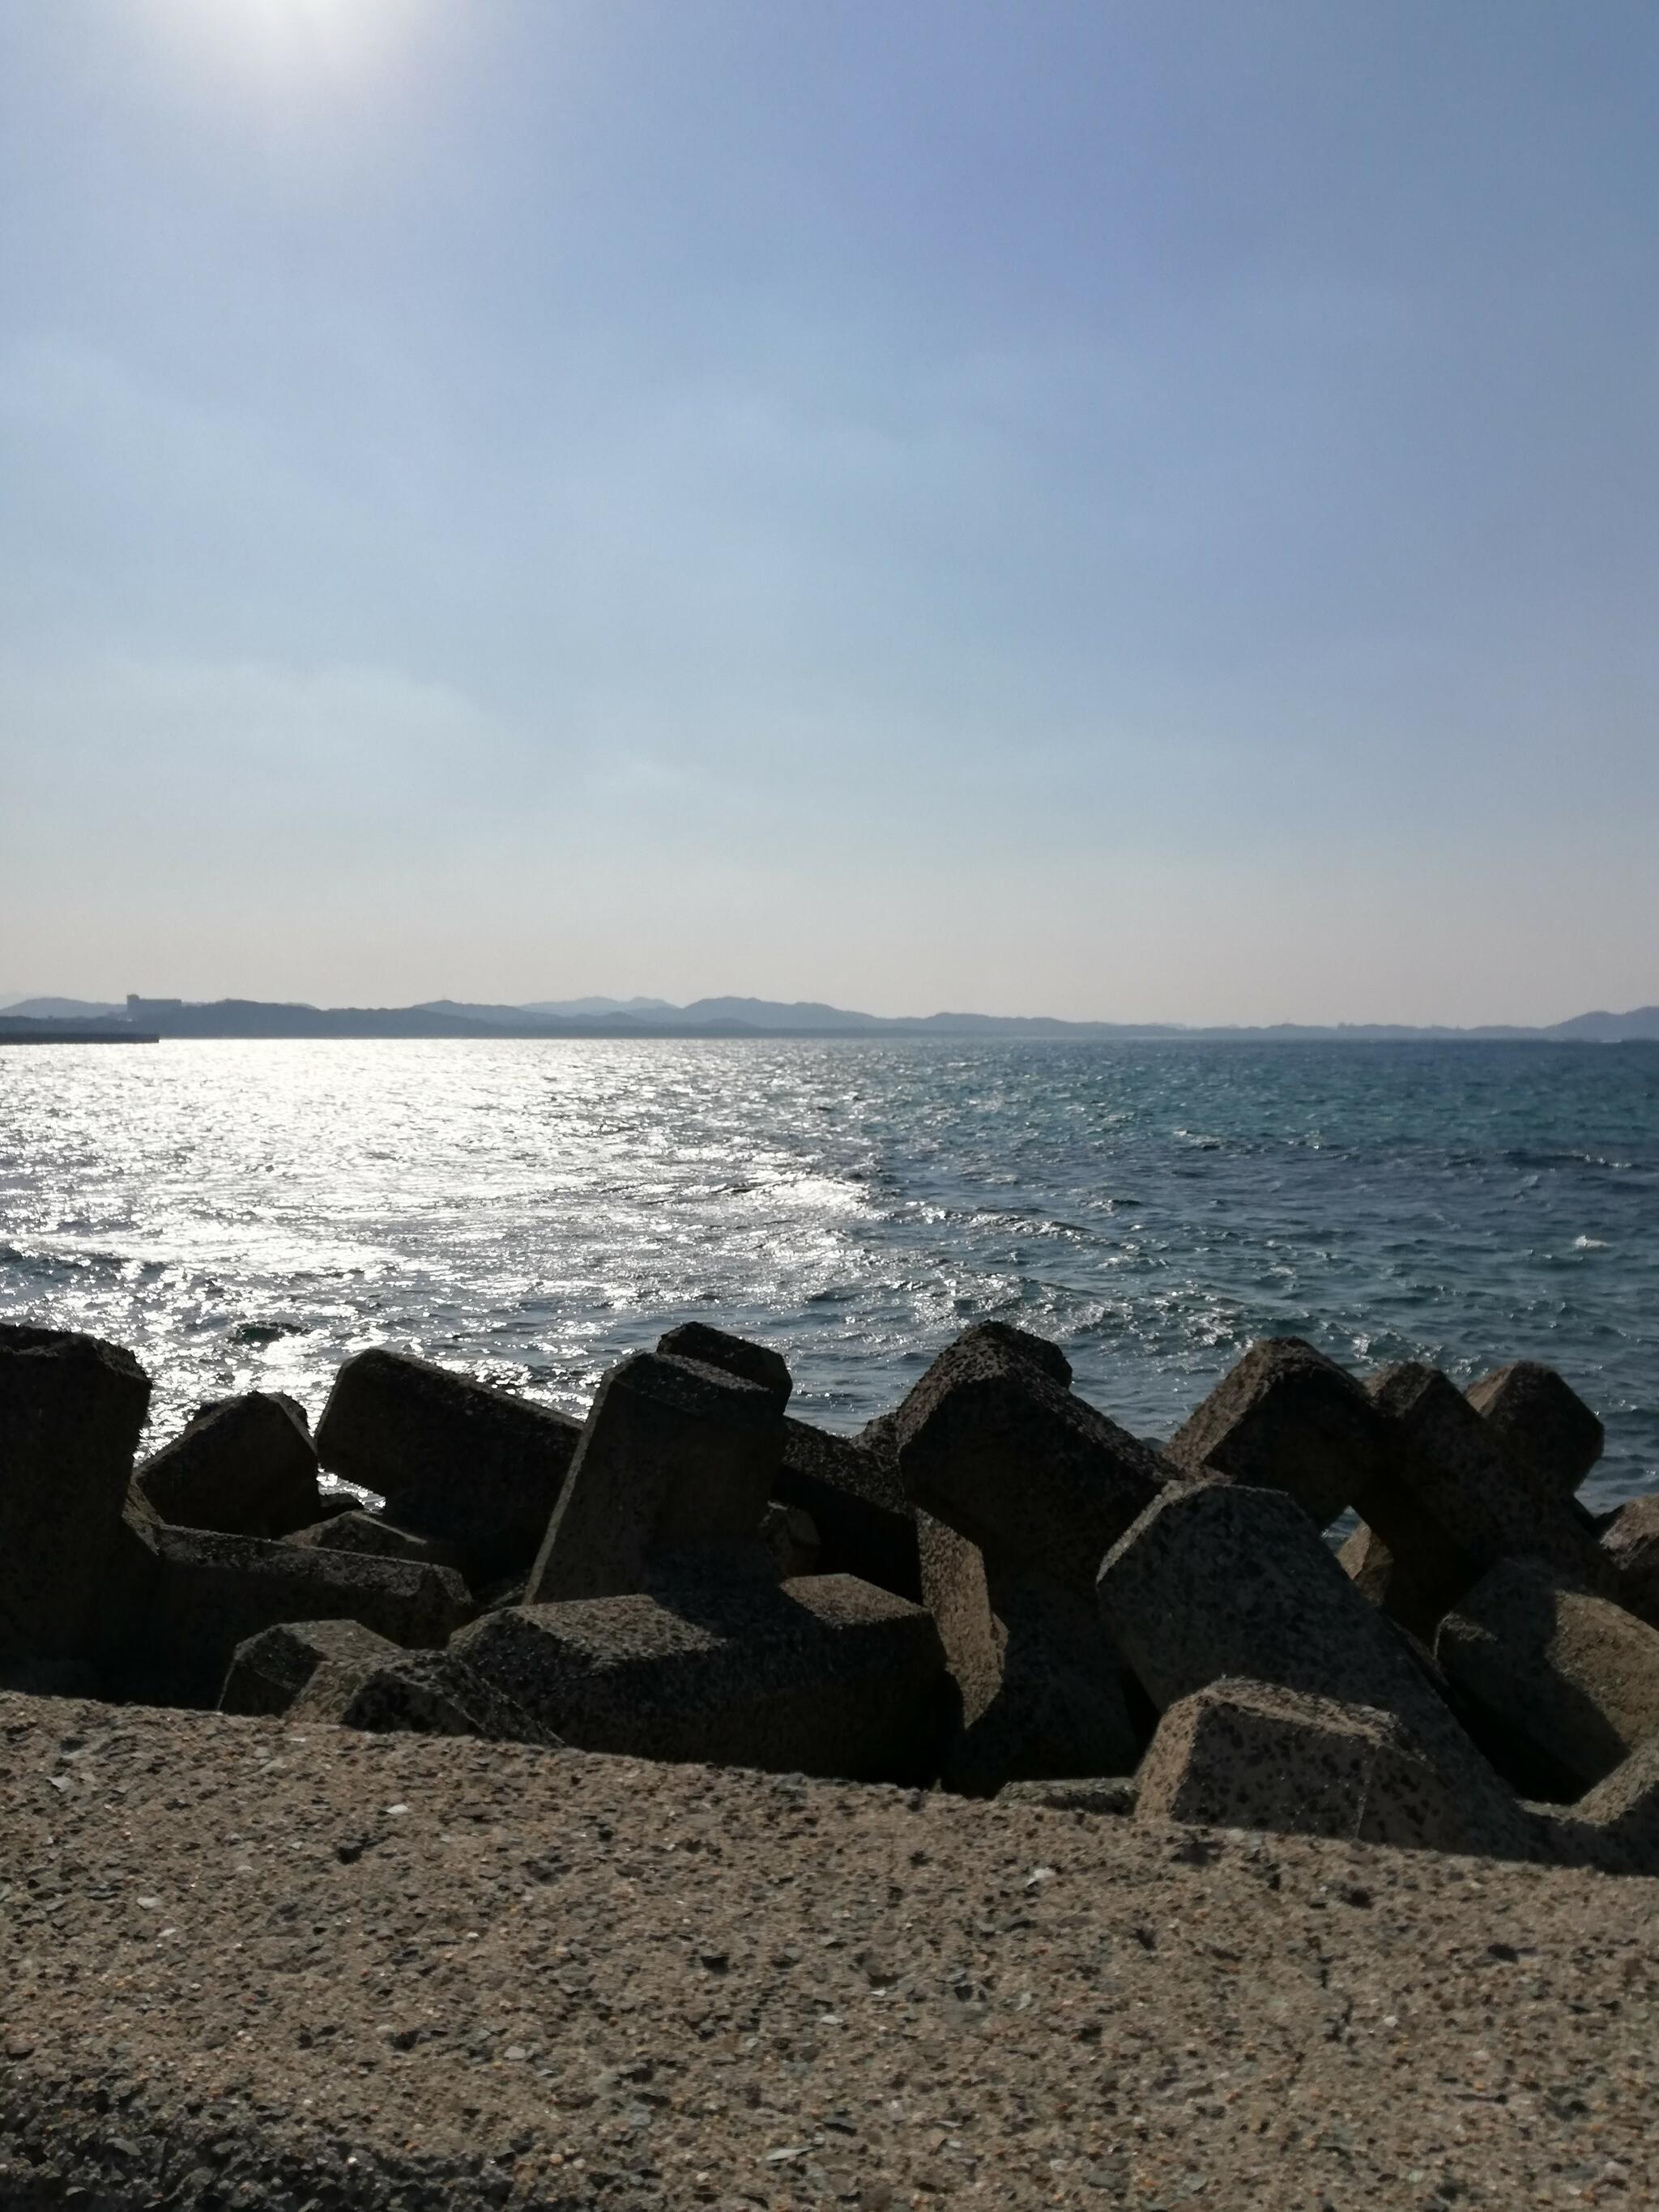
column 710, row 1017
column 59, row 1010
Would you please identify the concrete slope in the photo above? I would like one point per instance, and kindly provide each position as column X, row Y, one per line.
column 255, row 1965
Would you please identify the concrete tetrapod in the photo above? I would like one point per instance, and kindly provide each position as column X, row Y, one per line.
column 676, row 1460
column 865, row 1522
column 1018, row 1488
column 789, row 1537
column 1411, row 1597
column 206, row 1594
column 1571, row 1676
column 735, row 1355
column 1286, row 1418
column 1541, row 1419
column 1453, row 1502
column 419, row 1693
column 358, row 1531
column 826, row 1675
column 246, row 1466
column 269, row 1671
column 1631, row 1542
column 1614, row 1826
column 1037, row 1692
column 1242, row 1755
column 1217, row 1579
column 989, row 1347
column 71, row 1410
column 475, row 1467
column 991, row 1443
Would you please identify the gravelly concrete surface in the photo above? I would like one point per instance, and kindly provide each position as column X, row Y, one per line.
column 252, row 1965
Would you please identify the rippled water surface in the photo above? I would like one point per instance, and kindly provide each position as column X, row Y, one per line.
column 250, row 1213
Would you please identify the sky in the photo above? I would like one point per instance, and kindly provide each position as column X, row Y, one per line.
column 1141, row 509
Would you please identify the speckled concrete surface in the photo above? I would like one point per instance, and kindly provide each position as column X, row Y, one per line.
column 246, row 1964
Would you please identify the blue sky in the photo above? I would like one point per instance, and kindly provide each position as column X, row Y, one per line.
column 1148, row 510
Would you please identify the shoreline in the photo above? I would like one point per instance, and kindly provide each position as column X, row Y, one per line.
column 76, row 1036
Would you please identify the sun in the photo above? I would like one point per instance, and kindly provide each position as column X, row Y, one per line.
column 335, row 31
column 301, row 41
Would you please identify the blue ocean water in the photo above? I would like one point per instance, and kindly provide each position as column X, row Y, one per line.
column 249, row 1214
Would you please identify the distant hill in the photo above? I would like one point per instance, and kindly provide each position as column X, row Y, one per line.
column 548, row 1009
column 558, row 1006
column 60, row 1010
column 776, row 1015
column 767, row 1018
column 1609, row 1028
column 514, row 1017
column 262, row 1018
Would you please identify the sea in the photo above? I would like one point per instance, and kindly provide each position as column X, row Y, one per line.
column 246, row 1215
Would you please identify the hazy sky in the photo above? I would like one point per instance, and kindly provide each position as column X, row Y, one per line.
column 1146, row 508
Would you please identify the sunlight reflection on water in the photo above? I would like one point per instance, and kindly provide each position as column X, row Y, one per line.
column 250, row 1213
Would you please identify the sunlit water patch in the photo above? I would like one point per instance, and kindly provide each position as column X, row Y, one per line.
column 250, row 1213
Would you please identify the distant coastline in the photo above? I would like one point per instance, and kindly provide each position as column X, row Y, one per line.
column 38, row 1032
column 144, row 1020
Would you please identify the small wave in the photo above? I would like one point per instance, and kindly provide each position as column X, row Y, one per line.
column 1521, row 1155
column 811, row 1193
column 1590, row 1244
column 48, row 1262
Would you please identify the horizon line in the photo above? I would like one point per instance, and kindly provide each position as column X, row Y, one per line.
column 744, row 1013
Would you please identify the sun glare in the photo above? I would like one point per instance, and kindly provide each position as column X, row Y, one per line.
column 299, row 41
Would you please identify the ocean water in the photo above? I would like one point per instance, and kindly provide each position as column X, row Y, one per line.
column 248, row 1214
